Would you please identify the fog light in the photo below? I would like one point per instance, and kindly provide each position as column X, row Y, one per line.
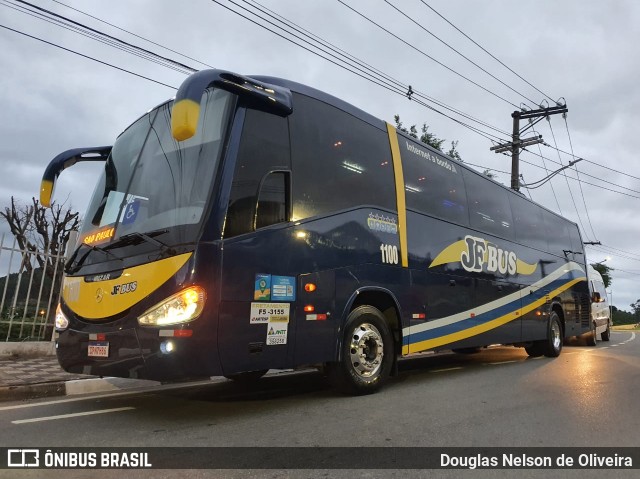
column 167, row 347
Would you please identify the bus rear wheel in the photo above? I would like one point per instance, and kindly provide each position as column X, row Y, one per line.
column 366, row 355
column 552, row 346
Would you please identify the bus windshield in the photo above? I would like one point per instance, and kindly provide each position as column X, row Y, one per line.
column 152, row 182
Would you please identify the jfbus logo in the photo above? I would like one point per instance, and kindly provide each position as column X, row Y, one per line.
column 481, row 254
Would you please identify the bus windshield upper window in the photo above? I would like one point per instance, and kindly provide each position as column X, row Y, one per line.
column 153, row 182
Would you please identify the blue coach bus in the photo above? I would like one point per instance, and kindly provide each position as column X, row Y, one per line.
column 255, row 223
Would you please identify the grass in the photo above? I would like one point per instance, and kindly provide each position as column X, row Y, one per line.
column 627, row 327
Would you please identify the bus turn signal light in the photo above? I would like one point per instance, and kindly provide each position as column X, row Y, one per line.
column 309, row 308
column 310, row 287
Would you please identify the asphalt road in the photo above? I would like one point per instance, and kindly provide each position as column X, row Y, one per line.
column 587, row 397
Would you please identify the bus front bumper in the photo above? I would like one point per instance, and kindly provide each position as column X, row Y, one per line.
column 135, row 353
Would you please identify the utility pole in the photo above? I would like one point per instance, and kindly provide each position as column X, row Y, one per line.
column 516, row 144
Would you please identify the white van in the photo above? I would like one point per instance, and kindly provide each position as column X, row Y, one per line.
column 600, row 313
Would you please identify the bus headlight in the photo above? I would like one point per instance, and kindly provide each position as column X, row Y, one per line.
column 61, row 320
column 179, row 308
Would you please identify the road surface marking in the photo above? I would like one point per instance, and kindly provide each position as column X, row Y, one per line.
column 75, row 414
column 503, row 362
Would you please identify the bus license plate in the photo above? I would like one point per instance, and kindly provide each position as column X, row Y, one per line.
column 98, row 349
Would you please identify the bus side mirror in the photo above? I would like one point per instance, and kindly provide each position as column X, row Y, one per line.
column 186, row 106
column 65, row 160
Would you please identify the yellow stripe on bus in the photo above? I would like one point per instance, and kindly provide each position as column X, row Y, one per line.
column 96, row 300
column 483, row 328
column 400, row 196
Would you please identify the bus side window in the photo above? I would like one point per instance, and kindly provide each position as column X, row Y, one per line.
column 529, row 223
column 489, row 208
column 339, row 161
column 272, row 200
column 558, row 235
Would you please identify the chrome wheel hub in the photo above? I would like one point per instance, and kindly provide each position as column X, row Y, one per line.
column 366, row 350
column 556, row 335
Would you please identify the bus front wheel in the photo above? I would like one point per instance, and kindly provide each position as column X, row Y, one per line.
column 366, row 355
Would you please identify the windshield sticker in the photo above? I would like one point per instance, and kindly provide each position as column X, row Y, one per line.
column 112, row 208
column 283, row 288
column 263, row 313
column 478, row 255
column 130, row 212
column 385, row 224
column 262, row 289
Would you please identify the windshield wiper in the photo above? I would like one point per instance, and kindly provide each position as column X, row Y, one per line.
column 71, row 268
column 137, row 238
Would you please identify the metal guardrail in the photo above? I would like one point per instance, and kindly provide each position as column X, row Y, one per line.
column 28, row 295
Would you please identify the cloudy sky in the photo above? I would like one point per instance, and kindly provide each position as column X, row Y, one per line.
column 584, row 51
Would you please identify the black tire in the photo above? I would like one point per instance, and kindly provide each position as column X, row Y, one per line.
column 591, row 338
column 248, row 377
column 367, row 353
column 534, row 350
column 552, row 345
column 606, row 334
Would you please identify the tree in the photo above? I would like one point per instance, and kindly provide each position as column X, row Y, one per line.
column 428, row 138
column 41, row 233
column 604, row 271
column 636, row 310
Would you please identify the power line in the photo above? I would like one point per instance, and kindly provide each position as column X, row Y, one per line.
column 79, row 31
column 593, row 162
column 338, row 50
column 566, row 179
column 458, row 52
column 128, row 46
column 540, row 155
column 585, row 182
column 134, row 34
column 485, row 50
column 584, row 201
column 87, row 57
column 551, row 180
column 426, row 54
column 341, row 62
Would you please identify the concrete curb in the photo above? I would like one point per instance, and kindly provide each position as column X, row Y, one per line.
column 27, row 349
column 100, row 385
column 32, row 391
column 72, row 388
